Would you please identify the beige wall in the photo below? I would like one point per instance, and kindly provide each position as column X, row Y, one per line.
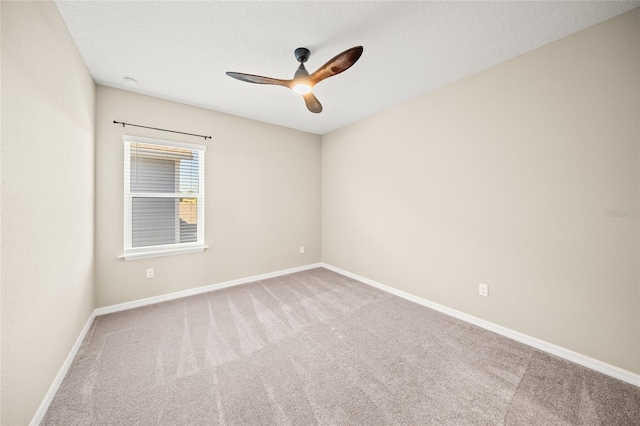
column 262, row 197
column 503, row 178
column 48, row 100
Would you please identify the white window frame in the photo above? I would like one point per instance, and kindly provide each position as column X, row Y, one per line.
column 130, row 252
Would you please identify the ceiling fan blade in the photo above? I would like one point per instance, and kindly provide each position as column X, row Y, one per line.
column 313, row 104
column 341, row 62
column 257, row 79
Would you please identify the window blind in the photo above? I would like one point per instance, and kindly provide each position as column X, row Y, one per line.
column 163, row 195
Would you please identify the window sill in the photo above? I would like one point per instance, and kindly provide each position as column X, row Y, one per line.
column 160, row 253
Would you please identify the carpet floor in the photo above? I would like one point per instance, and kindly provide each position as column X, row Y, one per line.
column 316, row 347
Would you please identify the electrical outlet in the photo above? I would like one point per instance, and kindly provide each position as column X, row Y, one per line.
column 150, row 273
column 483, row 290
column 301, row 249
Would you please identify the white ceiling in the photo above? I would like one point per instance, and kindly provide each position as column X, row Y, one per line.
column 181, row 50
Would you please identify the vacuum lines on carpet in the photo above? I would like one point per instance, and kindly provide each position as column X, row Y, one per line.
column 316, row 347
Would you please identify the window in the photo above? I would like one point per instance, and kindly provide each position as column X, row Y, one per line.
column 163, row 198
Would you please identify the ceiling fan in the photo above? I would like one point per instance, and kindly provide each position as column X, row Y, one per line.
column 303, row 82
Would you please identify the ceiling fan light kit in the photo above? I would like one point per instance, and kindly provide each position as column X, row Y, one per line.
column 303, row 82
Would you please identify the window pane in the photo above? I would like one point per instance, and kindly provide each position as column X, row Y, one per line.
column 158, row 221
column 154, row 221
column 155, row 168
column 153, row 175
column 188, row 220
column 189, row 176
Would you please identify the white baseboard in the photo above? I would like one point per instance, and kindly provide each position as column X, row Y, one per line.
column 198, row 290
column 44, row 405
column 585, row 361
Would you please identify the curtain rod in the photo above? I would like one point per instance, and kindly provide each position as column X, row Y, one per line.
column 162, row 130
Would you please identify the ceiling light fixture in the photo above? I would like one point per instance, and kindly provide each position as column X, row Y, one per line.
column 302, row 88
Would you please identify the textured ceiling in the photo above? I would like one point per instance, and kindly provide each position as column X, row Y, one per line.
column 181, row 50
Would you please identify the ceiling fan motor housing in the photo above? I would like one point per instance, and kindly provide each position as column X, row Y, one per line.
column 302, row 54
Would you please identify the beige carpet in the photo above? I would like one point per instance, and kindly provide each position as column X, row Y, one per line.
column 316, row 347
